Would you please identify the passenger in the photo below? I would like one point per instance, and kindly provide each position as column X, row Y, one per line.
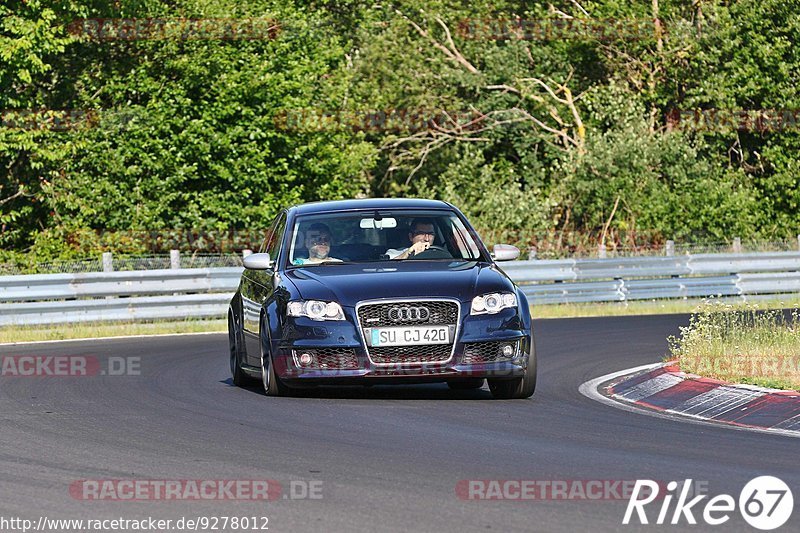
column 318, row 244
column 421, row 234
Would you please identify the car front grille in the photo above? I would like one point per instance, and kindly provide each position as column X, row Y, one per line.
column 441, row 312
column 488, row 352
column 438, row 313
column 328, row 358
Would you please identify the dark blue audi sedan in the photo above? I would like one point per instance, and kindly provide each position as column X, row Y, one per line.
column 379, row 291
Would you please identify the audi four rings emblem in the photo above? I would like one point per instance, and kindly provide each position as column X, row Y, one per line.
column 409, row 313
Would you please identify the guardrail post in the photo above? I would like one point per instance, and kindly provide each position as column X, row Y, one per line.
column 175, row 259
column 601, row 251
column 532, row 251
column 737, row 245
column 108, row 262
column 669, row 249
column 798, row 242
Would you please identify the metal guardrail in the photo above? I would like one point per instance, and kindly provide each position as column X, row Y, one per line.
column 115, row 309
column 205, row 292
column 122, row 283
column 110, row 296
column 646, row 278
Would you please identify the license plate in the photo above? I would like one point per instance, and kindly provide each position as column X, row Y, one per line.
column 409, row 336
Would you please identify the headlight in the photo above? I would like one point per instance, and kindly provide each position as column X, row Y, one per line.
column 316, row 310
column 489, row 304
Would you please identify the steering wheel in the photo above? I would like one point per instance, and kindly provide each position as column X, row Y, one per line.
column 433, row 252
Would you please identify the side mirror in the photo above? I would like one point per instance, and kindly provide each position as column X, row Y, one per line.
column 257, row 262
column 505, row 252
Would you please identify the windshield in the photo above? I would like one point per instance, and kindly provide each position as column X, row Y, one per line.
column 363, row 237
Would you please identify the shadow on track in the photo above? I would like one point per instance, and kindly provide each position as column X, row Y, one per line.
column 419, row 391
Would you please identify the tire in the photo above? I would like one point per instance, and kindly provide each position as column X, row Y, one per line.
column 519, row 388
column 240, row 377
column 272, row 384
column 466, row 384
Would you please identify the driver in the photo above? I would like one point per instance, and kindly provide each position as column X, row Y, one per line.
column 318, row 244
column 421, row 234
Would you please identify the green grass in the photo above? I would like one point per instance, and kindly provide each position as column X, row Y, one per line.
column 749, row 345
column 645, row 307
column 107, row 329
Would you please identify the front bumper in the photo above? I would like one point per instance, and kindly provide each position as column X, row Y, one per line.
column 303, row 335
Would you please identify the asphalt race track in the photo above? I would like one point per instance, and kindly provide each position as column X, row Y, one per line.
column 389, row 458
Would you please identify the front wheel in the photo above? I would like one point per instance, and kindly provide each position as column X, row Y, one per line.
column 239, row 377
column 273, row 386
column 519, row 388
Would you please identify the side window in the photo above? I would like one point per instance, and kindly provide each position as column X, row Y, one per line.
column 463, row 240
column 272, row 244
column 268, row 234
column 276, row 239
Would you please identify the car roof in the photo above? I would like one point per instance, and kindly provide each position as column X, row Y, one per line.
column 368, row 203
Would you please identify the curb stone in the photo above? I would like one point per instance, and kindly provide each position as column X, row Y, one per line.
column 669, row 390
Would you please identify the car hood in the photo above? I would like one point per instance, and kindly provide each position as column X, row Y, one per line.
column 350, row 283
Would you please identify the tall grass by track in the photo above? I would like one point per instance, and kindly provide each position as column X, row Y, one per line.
column 742, row 345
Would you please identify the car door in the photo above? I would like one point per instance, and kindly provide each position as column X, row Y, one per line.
column 258, row 288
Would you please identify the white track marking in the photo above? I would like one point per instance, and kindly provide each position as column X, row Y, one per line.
column 650, row 387
column 792, row 423
column 589, row 389
column 716, row 402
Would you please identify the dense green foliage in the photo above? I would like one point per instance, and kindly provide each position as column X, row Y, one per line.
column 532, row 137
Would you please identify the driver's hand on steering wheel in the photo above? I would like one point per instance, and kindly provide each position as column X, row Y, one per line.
column 418, row 247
